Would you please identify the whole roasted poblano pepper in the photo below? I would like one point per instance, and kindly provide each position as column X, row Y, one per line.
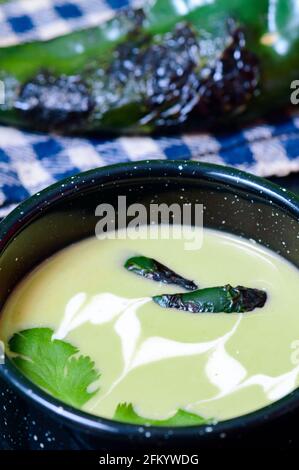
column 226, row 299
column 172, row 64
column 152, row 269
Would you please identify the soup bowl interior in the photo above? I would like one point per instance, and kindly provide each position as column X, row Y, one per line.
column 233, row 202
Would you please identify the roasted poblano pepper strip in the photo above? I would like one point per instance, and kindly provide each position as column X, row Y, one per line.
column 226, row 299
column 156, row 271
column 177, row 62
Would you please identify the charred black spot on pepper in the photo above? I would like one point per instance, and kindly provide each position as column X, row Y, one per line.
column 54, row 102
column 233, row 82
column 160, row 75
column 251, row 298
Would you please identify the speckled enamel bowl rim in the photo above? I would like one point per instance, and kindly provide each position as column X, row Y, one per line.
column 32, row 207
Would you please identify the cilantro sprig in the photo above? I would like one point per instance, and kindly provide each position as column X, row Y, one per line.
column 54, row 365
column 125, row 412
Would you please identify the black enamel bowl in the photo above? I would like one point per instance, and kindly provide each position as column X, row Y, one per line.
column 65, row 213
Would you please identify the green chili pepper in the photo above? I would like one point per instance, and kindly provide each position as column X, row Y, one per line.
column 226, row 299
column 173, row 64
column 149, row 268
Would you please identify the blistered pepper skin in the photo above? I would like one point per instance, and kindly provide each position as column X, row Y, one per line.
column 220, row 60
column 222, row 299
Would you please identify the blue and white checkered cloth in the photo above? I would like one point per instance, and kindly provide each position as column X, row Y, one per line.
column 31, row 161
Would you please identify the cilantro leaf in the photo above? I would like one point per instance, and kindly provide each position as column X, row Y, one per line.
column 54, row 365
column 126, row 413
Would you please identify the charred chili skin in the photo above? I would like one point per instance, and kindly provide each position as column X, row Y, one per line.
column 271, row 31
column 152, row 269
column 222, row 299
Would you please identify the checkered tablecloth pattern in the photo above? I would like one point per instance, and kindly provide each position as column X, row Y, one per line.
column 31, row 161
column 25, row 20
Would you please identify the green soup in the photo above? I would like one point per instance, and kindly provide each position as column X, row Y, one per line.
column 163, row 360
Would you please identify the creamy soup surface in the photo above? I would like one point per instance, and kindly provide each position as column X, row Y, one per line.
column 216, row 365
